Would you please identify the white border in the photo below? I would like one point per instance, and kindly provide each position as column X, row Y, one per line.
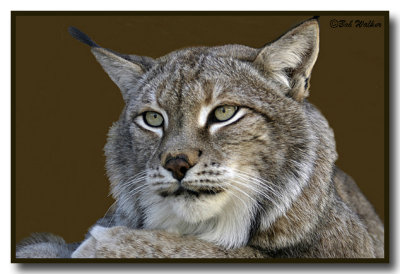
column 5, row 99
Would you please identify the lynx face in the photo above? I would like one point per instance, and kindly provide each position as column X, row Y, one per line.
column 198, row 130
column 214, row 141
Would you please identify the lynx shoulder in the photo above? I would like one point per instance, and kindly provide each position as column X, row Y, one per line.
column 218, row 153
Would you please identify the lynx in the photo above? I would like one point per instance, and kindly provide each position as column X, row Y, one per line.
column 218, row 154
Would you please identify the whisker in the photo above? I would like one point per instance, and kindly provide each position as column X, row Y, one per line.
column 236, row 196
column 256, row 180
column 251, row 183
column 138, row 189
column 253, row 186
column 130, row 194
column 246, row 194
column 262, row 181
column 105, row 214
column 134, row 177
column 128, row 184
column 276, row 205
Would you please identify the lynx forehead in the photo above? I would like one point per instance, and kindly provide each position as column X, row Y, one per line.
column 183, row 97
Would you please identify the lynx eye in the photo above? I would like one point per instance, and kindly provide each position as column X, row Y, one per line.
column 224, row 113
column 153, row 119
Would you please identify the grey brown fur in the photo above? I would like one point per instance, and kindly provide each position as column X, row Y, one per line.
column 261, row 184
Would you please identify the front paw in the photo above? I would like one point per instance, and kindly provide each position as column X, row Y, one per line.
column 122, row 242
column 119, row 242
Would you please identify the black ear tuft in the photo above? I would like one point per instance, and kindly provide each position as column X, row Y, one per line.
column 80, row 36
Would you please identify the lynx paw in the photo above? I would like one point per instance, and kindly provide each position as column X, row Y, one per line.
column 122, row 242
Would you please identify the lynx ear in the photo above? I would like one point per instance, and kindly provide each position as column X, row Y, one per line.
column 291, row 58
column 124, row 70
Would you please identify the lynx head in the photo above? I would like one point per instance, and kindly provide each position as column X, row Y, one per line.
column 213, row 141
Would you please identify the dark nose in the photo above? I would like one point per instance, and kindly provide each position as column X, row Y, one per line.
column 178, row 166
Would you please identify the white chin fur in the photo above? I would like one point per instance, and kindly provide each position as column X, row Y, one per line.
column 219, row 219
column 198, row 209
column 167, row 213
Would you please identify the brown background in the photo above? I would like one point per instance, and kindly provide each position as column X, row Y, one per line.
column 65, row 103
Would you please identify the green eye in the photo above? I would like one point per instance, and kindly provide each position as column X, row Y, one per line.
column 153, row 119
column 224, row 113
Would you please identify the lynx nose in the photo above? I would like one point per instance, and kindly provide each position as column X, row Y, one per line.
column 178, row 166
